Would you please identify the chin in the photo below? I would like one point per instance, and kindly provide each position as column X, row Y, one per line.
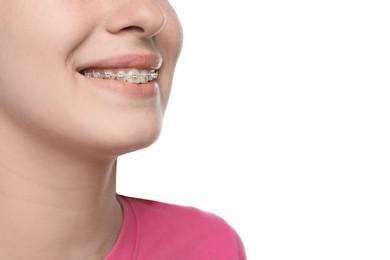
column 138, row 142
column 116, row 143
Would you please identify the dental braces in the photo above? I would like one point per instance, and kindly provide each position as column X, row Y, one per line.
column 131, row 77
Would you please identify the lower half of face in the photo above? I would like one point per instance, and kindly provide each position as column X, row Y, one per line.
column 45, row 93
column 80, row 113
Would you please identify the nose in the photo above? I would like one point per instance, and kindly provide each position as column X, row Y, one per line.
column 143, row 17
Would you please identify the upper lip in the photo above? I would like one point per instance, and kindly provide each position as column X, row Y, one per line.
column 136, row 61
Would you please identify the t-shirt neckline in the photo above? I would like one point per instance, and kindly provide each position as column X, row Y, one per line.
column 125, row 245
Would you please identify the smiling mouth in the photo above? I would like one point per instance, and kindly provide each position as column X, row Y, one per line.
column 125, row 75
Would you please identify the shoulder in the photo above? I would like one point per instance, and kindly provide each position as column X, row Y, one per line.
column 205, row 235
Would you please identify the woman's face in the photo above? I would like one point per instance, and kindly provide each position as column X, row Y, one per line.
column 49, row 48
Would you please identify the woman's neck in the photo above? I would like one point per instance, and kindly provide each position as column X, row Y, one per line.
column 55, row 204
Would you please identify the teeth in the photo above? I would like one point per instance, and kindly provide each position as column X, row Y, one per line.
column 121, row 75
column 131, row 75
column 109, row 74
column 97, row 74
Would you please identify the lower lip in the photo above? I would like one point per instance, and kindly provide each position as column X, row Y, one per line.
column 129, row 89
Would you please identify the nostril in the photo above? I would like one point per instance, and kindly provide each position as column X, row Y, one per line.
column 134, row 28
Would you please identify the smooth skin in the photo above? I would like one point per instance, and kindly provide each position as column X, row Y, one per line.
column 60, row 137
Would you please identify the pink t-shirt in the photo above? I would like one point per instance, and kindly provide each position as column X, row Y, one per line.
column 159, row 231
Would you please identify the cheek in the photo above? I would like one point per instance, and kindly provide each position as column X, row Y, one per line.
column 171, row 36
column 174, row 33
column 50, row 29
column 35, row 41
column 169, row 42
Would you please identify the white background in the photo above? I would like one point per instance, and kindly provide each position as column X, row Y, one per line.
column 279, row 123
